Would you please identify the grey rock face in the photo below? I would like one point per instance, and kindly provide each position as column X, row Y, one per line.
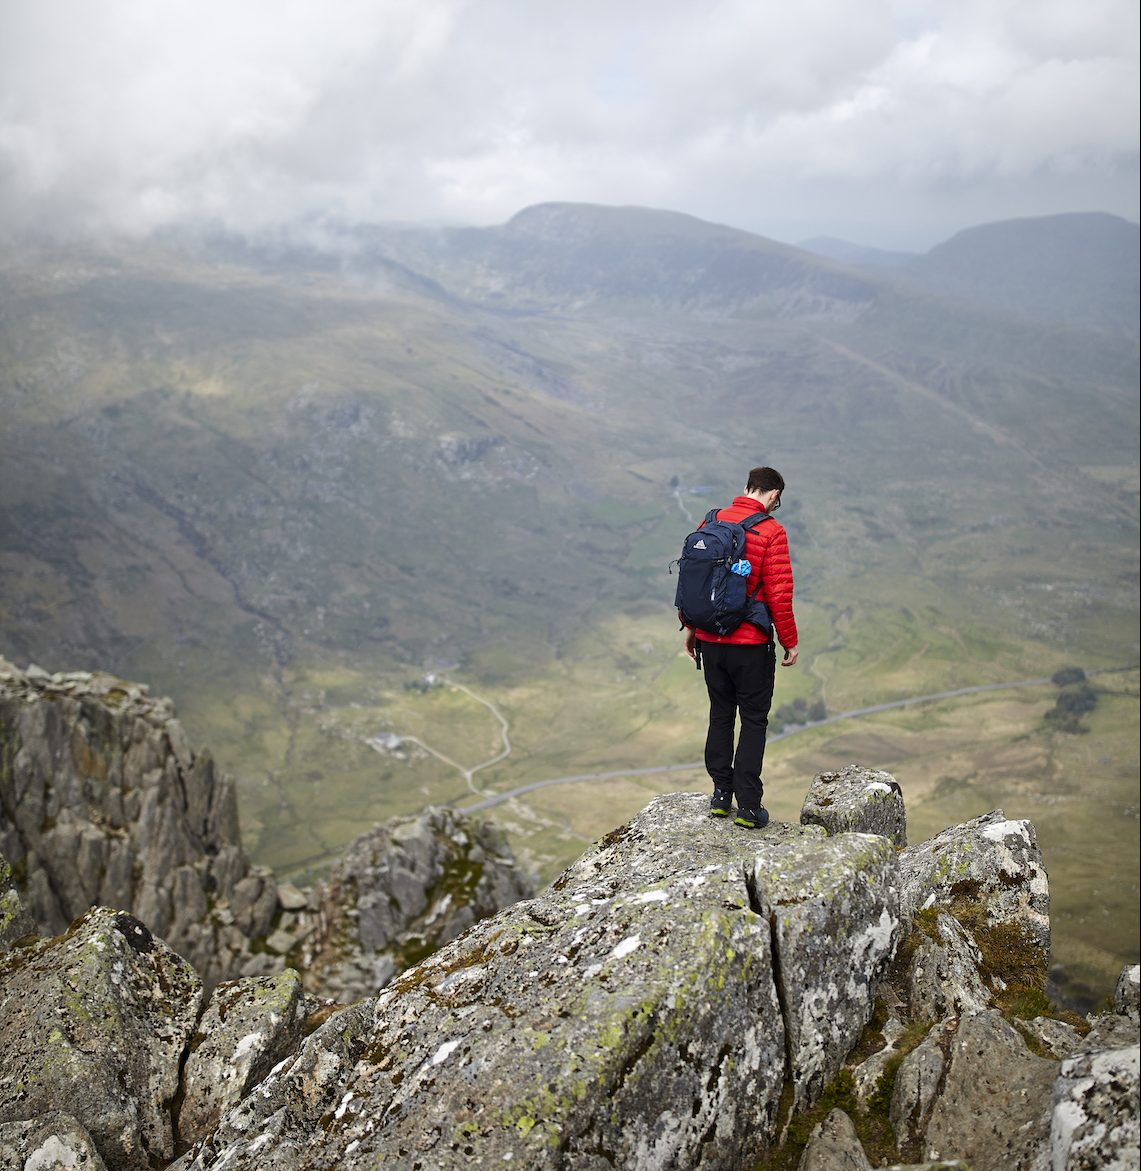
column 931, row 1165
column 102, row 802
column 833, row 906
column 400, row 892
column 1095, row 1122
column 628, row 1016
column 917, row 1085
column 51, row 1142
column 1056, row 1037
column 248, row 1027
column 942, row 977
column 857, row 800
column 1111, row 1030
column 994, row 1106
column 97, row 1020
column 1127, row 993
column 989, row 862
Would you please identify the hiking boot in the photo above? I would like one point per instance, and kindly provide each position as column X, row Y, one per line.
column 721, row 804
column 752, row 818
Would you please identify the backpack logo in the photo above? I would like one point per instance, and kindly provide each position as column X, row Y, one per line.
column 712, row 587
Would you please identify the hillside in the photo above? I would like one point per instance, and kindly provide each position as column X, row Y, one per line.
column 282, row 480
column 1077, row 269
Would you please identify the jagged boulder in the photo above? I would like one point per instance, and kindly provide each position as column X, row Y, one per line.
column 96, row 1022
column 857, row 800
column 834, row 1146
column 398, row 893
column 1127, row 993
column 995, row 1097
column 989, row 863
column 630, row 1015
column 247, row 1028
column 916, row 1087
column 103, row 802
column 1096, row 1120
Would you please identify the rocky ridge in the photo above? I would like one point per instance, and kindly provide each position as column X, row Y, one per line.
column 685, row 995
column 104, row 802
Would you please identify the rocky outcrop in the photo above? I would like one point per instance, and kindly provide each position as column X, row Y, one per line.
column 96, row 1022
column 685, row 995
column 864, row 800
column 647, row 1010
column 991, row 1087
column 398, row 893
column 104, row 802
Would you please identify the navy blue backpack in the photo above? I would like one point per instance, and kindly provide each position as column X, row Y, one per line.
column 712, row 577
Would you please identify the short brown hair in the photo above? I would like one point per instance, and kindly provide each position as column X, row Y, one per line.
column 765, row 480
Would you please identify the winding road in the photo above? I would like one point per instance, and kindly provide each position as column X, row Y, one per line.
column 467, row 773
column 498, row 798
column 487, row 801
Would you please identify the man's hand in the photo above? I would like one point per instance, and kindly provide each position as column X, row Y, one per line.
column 691, row 644
column 789, row 659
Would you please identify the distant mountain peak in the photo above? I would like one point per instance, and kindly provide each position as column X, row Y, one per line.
column 562, row 219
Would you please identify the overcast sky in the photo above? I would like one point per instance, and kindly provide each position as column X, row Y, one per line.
column 887, row 122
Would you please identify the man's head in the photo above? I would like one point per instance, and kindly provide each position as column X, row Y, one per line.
column 765, row 485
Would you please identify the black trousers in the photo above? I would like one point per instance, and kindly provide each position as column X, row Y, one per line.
column 739, row 680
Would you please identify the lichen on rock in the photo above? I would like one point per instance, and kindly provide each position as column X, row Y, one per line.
column 96, row 1022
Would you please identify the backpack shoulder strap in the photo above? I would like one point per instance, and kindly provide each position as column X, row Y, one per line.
column 751, row 522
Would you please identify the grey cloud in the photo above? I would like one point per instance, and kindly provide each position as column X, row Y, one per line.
column 895, row 115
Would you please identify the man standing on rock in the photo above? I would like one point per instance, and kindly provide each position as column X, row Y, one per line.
column 740, row 667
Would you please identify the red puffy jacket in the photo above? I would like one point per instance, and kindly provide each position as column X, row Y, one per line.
column 766, row 546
